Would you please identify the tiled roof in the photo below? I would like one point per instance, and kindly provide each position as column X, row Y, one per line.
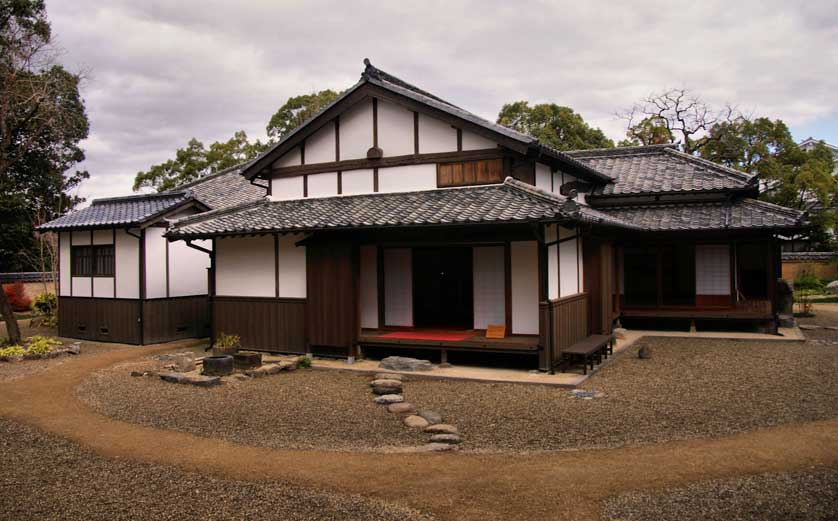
column 511, row 201
column 225, row 188
column 742, row 214
column 120, row 211
column 658, row 169
column 809, row 256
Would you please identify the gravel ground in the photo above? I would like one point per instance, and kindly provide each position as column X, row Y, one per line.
column 304, row 409
column 809, row 495
column 691, row 388
column 825, row 315
column 46, row 477
column 15, row 370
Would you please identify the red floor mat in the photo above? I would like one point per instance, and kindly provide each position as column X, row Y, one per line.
column 428, row 335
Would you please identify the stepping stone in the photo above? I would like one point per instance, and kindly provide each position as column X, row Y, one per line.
column 438, row 447
column 430, row 416
column 197, row 380
column 619, row 332
column 417, row 422
column 808, row 327
column 388, row 376
column 401, row 363
column 386, row 383
column 265, row 370
column 446, row 438
column 387, row 390
column 387, row 399
column 831, row 328
column 441, row 428
column 402, row 408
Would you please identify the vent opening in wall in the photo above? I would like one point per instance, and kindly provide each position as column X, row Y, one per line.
column 181, row 328
column 104, row 330
column 82, row 327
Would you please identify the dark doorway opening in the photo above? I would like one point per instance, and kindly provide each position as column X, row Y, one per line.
column 641, row 276
column 752, row 259
column 442, row 288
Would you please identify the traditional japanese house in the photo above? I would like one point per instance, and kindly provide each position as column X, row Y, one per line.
column 397, row 220
column 120, row 280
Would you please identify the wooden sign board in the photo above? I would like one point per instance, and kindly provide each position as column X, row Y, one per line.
column 496, row 331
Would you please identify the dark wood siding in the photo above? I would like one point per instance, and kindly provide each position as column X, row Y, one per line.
column 175, row 318
column 265, row 324
column 104, row 320
column 598, row 260
column 462, row 173
column 332, row 310
column 563, row 322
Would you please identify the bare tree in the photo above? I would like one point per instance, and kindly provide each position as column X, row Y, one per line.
column 684, row 115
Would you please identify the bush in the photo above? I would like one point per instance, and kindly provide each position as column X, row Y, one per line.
column 11, row 352
column 16, row 295
column 304, row 363
column 225, row 341
column 808, row 281
column 41, row 345
column 46, row 304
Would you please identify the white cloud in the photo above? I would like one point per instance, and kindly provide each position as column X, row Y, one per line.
column 162, row 72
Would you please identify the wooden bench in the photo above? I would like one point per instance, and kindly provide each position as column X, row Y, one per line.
column 589, row 351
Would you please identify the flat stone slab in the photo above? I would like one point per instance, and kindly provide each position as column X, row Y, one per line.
column 416, row 422
column 402, row 363
column 441, row 428
column 388, row 376
column 430, row 416
column 386, row 399
column 808, row 327
column 387, row 390
column 197, row 380
column 446, row 438
column 438, row 447
column 402, row 408
column 265, row 370
column 386, row 383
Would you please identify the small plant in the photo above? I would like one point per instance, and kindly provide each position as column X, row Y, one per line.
column 41, row 345
column 46, row 304
column 16, row 295
column 304, row 363
column 226, row 344
column 11, row 352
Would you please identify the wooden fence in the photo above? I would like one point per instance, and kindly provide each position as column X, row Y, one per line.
column 563, row 322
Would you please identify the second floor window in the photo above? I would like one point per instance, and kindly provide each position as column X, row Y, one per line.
column 92, row 261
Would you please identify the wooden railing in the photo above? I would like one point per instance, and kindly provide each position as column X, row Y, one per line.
column 563, row 322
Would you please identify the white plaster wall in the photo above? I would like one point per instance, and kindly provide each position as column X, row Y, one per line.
column 81, row 238
column 472, row 141
column 64, row 267
column 557, row 183
column 155, row 263
column 356, row 131
column 543, row 177
column 283, row 188
column 435, row 135
column 712, row 269
column 395, row 129
column 102, row 236
column 566, row 232
column 569, row 275
column 407, row 178
column 82, row 287
column 290, row 158
column 188, row 269
column 292, row 267
column 323, row 185
column 369, row 286
column 320, row 146
column 357, row 182
column 245, row 266
column 488, row 286
column 127, row 265
column 552, row 271
column 398, row 287
column 550, row 233
column 524, row 258
column 103, row 287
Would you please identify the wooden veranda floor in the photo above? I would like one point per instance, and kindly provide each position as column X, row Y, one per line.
column 475, row 340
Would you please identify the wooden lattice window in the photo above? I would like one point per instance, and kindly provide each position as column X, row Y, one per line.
column 92, row 261
column 463, row 173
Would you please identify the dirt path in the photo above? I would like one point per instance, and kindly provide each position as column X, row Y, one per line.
column 565, row 485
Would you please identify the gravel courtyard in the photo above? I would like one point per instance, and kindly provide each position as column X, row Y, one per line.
column 690, row 388
column 810, row 495
column 46, row 477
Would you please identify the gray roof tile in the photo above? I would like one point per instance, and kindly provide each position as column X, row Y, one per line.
column 225, row 188
column 120, row 211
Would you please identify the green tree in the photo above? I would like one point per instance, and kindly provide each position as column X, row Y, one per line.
column 649, row 131
column 555, row 126
column 42, row 121
column 790, row 176
column 195, row 161
column 296, row 111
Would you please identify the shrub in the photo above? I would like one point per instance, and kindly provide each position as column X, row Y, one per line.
column 304, row 363
column 41, row 345
column 16, row 295
column 225, row 341
column 11, row 352
column 807, row 280
column 46, row 304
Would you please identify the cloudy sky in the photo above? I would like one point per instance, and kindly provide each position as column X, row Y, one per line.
column 161, row 72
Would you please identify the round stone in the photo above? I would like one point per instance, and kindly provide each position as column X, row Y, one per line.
column 388, row 376
column 386, row 383
column 417, row 422
column 402, row 408
column 387, row 399
column 387, row 390
column 441, row 428
column 446, row 438
column 437, row 447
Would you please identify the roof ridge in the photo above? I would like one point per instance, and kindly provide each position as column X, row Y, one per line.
column 139, row 197
column 791, row 212
column 370, row 71
column 620, row 151
column 189, row 219
column 212, row 175
column 710, row 164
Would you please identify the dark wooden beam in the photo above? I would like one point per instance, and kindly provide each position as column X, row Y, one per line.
column 337, row 138
column 416, row 133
